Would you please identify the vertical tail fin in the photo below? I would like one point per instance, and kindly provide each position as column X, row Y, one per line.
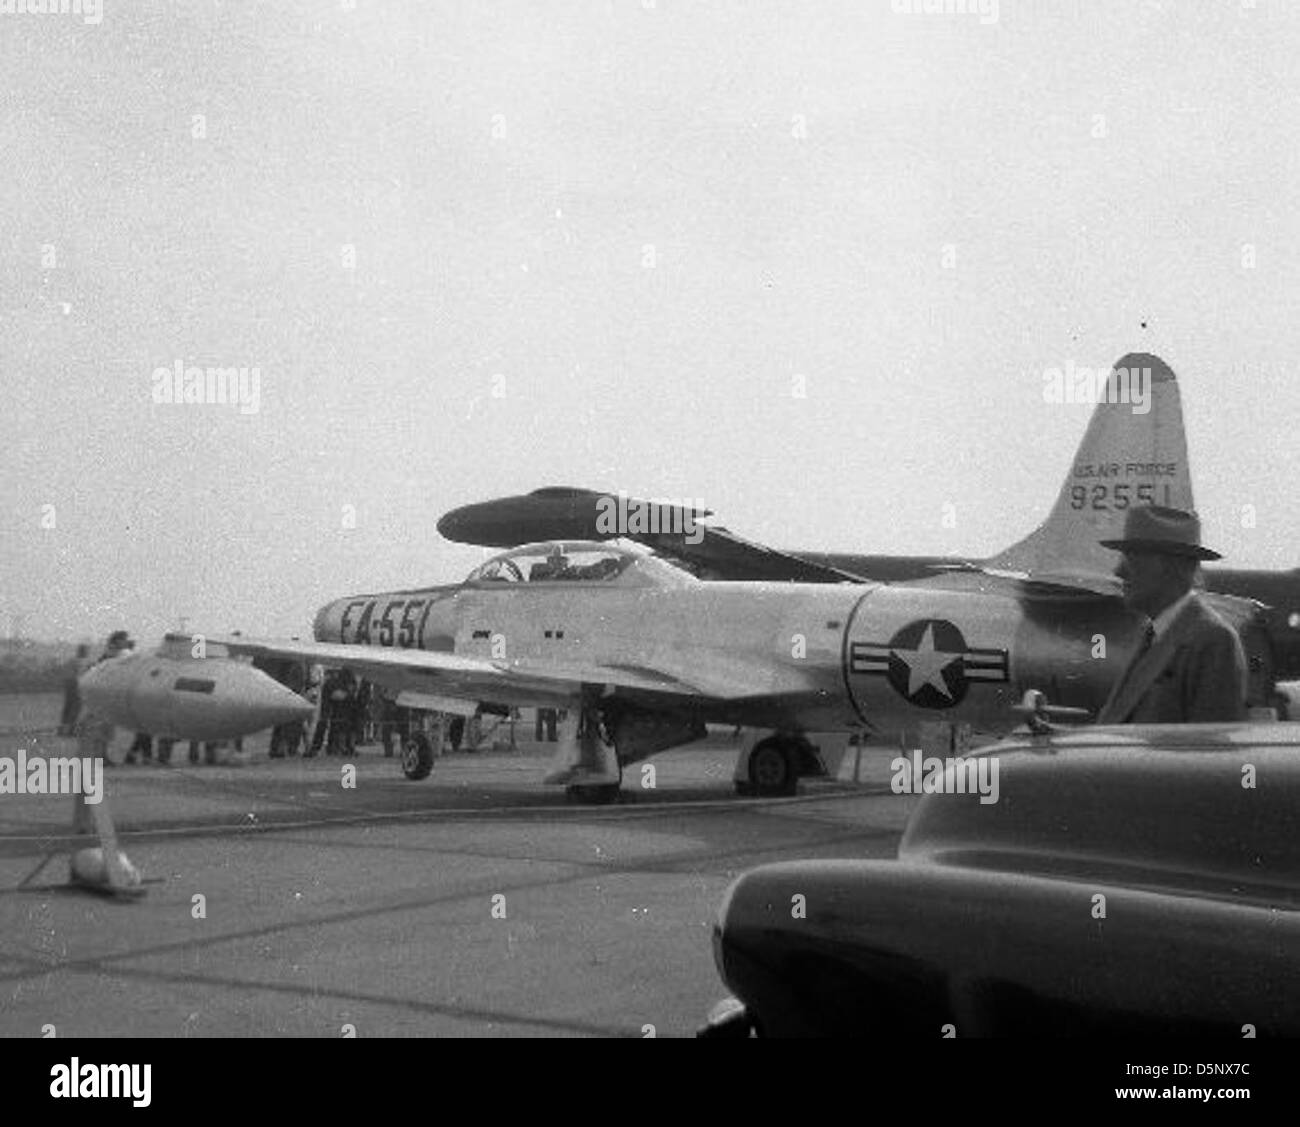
column 1133, row 453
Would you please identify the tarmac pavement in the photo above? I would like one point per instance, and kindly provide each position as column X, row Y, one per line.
column 475, row 902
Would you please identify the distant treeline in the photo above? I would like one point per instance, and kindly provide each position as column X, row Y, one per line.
column 34, row 672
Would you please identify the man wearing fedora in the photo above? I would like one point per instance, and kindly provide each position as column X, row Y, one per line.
column 94, row 733
column 1189, row 666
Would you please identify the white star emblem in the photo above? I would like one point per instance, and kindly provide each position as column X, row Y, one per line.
column 925, row 665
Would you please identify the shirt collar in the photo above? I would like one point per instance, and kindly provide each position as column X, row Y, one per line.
column 1165, row 617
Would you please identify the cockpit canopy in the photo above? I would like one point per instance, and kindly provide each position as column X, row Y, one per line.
column 580, row 561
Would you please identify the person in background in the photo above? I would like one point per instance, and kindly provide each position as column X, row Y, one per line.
column 94, row 733
column 315, row 694
column 361, row 713
column 165, row 751
column 338, row 691
column 286, row 738
column 1189, row 665
column 546, row 721
column 238, row 742
column 342, row 740
column 391, row 719
column 71, row 690
column 166, row 745
column 142, row 745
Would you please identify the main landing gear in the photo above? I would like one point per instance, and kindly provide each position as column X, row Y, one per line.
column 585, row 765
column 774, row 768
column 417, row 756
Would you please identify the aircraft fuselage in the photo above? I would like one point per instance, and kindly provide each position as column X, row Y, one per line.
column 810, row 657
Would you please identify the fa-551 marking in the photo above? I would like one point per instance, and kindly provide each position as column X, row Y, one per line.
column 643, row 654
column 401, row 623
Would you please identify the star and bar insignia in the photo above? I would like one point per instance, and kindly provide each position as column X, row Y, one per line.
column 928, row 663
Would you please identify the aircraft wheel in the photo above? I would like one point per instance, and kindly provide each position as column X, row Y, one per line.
column 417, row 756
column 594, row 794
column 773, row 769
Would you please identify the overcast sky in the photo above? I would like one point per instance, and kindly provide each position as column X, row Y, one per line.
column 478, row 248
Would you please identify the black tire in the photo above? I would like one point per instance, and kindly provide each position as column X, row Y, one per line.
column 417, row 756
column 774, row 769
column 594, row 794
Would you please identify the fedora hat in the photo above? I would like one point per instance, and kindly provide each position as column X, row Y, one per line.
column 120, row 640
column 1172, row 532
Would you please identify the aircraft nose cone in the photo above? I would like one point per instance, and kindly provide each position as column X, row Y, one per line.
column 264, row 701
column 218, row 699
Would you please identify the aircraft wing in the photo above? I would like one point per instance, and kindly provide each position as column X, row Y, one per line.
column 482, row 680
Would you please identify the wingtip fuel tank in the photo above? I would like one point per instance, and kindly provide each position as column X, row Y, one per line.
column 198, row 699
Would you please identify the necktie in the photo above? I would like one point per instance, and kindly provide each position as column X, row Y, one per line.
column 1144, row 644
column 1148, row 636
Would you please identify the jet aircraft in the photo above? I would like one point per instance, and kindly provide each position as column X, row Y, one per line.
column 712, row 552
column 643, row 654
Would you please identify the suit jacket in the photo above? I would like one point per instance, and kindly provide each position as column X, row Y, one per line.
column 1194, row 672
